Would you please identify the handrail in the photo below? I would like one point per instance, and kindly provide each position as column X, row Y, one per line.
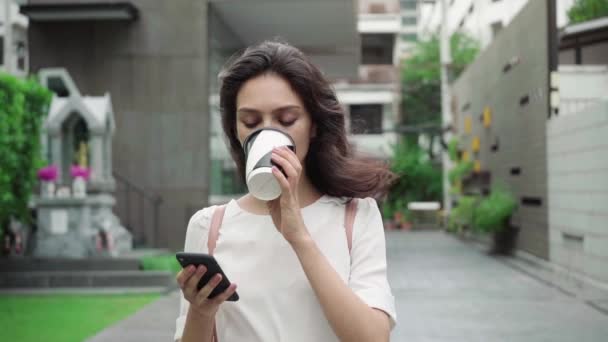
column 154, row 200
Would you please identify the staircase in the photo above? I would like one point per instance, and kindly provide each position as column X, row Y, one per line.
column 93, row 274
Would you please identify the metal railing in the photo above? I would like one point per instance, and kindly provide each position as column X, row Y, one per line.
column 132, row 204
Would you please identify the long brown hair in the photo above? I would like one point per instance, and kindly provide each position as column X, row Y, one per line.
column 330, row 163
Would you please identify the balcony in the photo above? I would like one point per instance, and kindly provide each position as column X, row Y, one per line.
column 379, row 17
column 378, row 74
column 379, row 7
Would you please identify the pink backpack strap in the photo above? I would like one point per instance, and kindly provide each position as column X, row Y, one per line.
column 349, row 220
column 214, row 234
column 214, row 229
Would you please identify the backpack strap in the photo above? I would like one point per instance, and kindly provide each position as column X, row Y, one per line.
column 349, row 220
column 214, row 229
column 214, row 234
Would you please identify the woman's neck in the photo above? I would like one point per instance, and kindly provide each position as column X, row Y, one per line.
column 307, row 194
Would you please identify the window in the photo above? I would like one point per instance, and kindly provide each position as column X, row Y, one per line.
column 377, row 48
column 408, row 4
column 21, row 53
column 1, row 50
column 366, row 119
column 496, row 28
column 409, row 37
column 409, row 20
column 471, row 9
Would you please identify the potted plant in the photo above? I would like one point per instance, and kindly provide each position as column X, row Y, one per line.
column 48, row 176
column 80, row 175
column 492, row 215
column 461, row 217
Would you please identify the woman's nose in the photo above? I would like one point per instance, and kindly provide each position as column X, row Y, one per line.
column 269, row 124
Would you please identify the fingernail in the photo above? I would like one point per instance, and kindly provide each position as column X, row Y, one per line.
column 201, row 269
column 191, row 268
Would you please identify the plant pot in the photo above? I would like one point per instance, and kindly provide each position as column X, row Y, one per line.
column 505, row 240
column 47, row 189
column 79, row 187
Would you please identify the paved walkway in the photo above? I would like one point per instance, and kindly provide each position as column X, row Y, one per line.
column 446, row 290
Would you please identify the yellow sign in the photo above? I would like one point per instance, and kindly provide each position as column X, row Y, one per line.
column 487, row 117
column 475, row 144
column 465, row 156
column 468, row 124
column 477, row 166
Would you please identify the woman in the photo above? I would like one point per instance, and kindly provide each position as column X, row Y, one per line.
column 290, row 256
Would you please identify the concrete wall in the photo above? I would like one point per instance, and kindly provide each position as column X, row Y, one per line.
column 517, row 98
column 156, row 72
column 578, row 190
column 581, row 86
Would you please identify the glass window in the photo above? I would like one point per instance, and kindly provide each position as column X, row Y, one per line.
column 408, row 4
column 377, row 48
column 366, row 119
column 409, row 20
column 409, row 37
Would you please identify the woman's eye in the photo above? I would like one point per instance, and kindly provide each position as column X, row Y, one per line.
column 289, row 123
column 250, row 125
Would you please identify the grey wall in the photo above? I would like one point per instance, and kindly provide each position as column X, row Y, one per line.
column 156, row 71
column 518, row 128
column 578, row 195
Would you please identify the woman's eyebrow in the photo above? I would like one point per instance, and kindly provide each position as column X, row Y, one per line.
column 246, row 110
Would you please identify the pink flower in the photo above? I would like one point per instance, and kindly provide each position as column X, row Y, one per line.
column 48, row 173
column 78, row 171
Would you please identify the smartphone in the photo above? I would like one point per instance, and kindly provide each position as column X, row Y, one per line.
column 213, row 268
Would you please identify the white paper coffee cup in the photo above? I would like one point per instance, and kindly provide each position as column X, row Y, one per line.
column 258, row 153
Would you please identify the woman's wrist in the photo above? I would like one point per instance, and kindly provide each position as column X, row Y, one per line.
column 301, row 241
column 200, row 315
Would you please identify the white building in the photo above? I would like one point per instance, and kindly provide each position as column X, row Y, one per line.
column 482, row 19
column 13, row 39
column 410, row 13
column 372, row 99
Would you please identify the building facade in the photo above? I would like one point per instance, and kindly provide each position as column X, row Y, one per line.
column 159, row 62
column 482, row 19
column 371, row 100
column 13, row 39
column 410, row 14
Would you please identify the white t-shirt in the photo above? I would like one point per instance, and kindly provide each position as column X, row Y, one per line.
column 277, row 303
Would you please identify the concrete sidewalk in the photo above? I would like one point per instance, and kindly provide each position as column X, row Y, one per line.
column 446, row 290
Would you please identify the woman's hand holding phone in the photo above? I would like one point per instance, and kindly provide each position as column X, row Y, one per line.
column 188, row 279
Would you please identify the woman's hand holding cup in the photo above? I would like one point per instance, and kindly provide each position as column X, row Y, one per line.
column 285, row 210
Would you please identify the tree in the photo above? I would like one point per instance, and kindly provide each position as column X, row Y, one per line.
column 421, row 80
column 418, row 179
column 23, row 105
column 584, row 10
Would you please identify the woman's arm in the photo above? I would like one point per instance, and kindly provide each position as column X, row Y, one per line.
column 198, row 327
column 350, row 318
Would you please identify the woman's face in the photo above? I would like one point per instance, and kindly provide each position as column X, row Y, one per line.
column 269, row 101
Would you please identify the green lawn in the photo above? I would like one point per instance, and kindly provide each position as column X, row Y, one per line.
column 64, row 318
column 166, row 262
